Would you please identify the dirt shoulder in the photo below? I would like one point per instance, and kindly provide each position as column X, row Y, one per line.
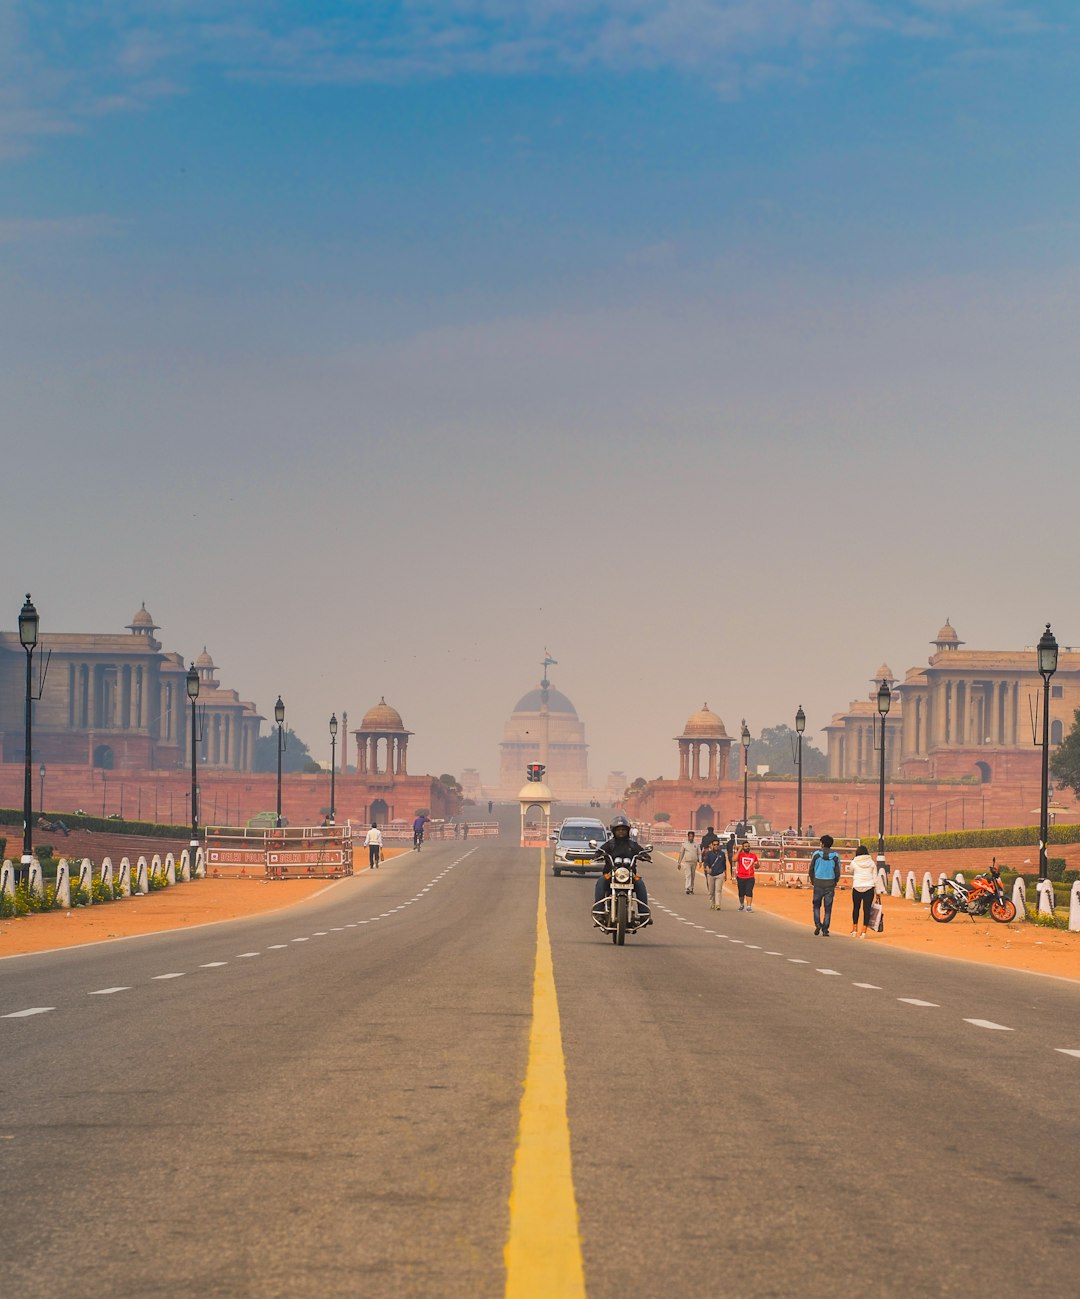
column 1019, row 946
column 198, row 903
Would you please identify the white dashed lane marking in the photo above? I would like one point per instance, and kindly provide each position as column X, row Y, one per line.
column 828, row 971
column 33, row 1010
column 1064, row 1050
column 274, row 947
column 989, row 1023
column 914, row 1001
column 243, row 955
column 213, row 965
column 178, row 975
column 875, row 986
column 106, row 992
column 797, row 960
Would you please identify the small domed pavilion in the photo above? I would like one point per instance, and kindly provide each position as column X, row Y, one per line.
column 382, row 724
column 703, row 729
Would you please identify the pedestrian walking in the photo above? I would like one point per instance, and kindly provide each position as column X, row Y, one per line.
column 707, row 840
column 689, row 857
column 465, row 829
column 714, row 864
column 373, row 840
column 824, row 874
column 745, row 874
column 864, row 882
column 729, row 848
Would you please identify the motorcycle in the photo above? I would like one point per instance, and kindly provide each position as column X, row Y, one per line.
column 619, row 914
column 984, row 893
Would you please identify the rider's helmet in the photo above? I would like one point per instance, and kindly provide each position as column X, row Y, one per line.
column 618, row 823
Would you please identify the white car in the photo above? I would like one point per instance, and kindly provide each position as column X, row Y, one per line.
column 573, row 845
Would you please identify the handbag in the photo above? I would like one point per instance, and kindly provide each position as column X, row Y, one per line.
column 877, row 918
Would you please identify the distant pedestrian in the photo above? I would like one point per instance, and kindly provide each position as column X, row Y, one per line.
column 729, row 848
column 809, row 831
column 373, row 839
column 464, row 829
column 824, row 874
column 745, row 873
column 708, row 839
column 864, row 882
column 714, row 863
column 689, row 857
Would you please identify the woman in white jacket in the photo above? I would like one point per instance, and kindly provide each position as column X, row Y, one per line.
column 863, row 889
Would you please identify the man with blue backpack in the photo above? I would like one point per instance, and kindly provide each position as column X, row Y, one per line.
column 824, row 876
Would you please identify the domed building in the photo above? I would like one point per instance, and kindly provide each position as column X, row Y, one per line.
column 544, row 727
column 704, row 731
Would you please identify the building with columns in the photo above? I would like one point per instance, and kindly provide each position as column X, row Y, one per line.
column 968, row 713
column 544, row 727
column 119, row 701
column 704, row 734
column 854, row 736
column 382, row 735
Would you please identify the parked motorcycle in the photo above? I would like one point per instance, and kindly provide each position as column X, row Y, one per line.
column 985, row 893
column 619, row 914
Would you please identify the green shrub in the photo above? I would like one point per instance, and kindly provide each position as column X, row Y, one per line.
column 662, row 817
column 1055, row 869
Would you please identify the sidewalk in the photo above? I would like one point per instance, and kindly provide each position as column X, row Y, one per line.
column 1019, row 946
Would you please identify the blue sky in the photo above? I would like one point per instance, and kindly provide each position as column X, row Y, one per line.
column 485, row 311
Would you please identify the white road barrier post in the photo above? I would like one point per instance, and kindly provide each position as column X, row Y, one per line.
column 105, row 874
column 86, row 879
column 170, row 868
column 36, row 884
column 1074, row 907
column 909, row 886
column 7, row 880
column 1044, row 891
column 185, row 866
column 63, row 884
column 1019, row 897
column 199, row 869
column 925, row 897
column 142, row 877
column 896, row 890
column 123, row 879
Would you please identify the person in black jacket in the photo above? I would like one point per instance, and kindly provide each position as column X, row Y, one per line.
column 623, row 844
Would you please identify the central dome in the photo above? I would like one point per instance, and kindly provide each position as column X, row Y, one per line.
column 557, row 702
column 382, row 718
column 705, row 725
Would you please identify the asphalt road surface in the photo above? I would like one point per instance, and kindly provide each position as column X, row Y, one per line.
column 326, row 1102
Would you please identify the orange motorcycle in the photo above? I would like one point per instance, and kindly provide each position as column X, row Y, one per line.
column 985, row 893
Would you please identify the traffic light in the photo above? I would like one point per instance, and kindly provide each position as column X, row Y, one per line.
column 535, row 771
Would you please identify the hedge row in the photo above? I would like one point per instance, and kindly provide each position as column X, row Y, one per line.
column 1016, row 837
column 109, row 824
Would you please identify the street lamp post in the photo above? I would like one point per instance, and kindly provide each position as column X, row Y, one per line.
column 1048, row 661
column 41, row 789
column 28, row 637
column 333, row 761
column 884, row 700
column 745, row 738
column 193, row 695
column 279, row 718
column 800, row 726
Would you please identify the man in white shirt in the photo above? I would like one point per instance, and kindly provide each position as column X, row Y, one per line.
column 689, row 857
column 373, row 839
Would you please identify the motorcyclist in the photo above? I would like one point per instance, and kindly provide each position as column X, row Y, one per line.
column 622, row 844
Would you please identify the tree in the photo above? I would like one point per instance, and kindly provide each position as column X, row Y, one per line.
column 295, row 757
column 775, row 748
column 1065, row 760
column 450, row 782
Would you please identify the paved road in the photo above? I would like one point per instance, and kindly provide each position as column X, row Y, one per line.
column 325, row 1102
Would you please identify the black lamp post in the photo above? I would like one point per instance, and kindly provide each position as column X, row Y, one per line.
column 279, row 718
column 884, row 700
column 41, row 790
column 745, row 739
column 1048, row 661
column 333, row 761
column 193, row 694
column 800, row 726
column 28, row 636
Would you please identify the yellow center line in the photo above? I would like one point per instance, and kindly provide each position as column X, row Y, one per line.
column 543, row 1248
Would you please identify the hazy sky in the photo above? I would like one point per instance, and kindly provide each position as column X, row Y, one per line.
column 726, row 347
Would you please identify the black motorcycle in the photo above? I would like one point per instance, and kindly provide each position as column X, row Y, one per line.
column 619, row 913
